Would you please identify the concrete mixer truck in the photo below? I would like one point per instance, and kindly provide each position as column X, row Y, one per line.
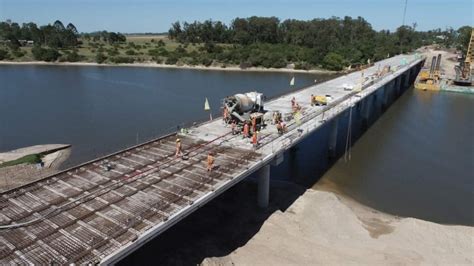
column 243, row 107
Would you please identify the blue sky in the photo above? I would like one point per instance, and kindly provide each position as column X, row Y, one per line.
column 156, row 16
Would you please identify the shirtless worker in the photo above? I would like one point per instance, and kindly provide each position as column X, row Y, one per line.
column 246, row 130
column 210, row 162
column 179, row 151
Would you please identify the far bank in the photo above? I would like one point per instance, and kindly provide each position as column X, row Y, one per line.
column 196, row 67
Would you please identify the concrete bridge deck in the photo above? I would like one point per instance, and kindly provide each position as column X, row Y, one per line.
column 92, row 214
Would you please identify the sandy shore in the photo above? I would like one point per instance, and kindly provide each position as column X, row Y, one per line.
column 303, row 227
column 323, row 228
column 152, row 64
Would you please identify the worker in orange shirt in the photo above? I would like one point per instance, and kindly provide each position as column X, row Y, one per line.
column 210, row 162
column 254, row 124
column 255, row 139
column 179, row 151
column 246, row 130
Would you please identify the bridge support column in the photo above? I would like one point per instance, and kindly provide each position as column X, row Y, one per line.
column 367, row 102
column 333, row 138
column 386, row 93
column 263, row 176
column 396, row 86
column 407, row 79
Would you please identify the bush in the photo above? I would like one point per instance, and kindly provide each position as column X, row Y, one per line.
column 130, row 52
column 172, row 60
column 4, row 55
column 28, row 159
column 122, row 60
column 333, row 61
column 18, row 53
column 100, row 58
column 303, row 65
column 73, row 57
column 48, row 55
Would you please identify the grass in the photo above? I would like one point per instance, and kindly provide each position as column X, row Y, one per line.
column 142, row 43
column 28, row 159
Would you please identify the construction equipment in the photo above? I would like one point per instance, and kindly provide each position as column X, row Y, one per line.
column 464, row 70
column 429, row 80
column 320, row 100
column 241, row 106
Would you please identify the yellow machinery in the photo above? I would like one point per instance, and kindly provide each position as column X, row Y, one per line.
column 430, row 79
column 320, row 100
column 464, row 71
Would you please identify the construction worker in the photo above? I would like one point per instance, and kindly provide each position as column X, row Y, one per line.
column 246, row 130
column 210, row 162
column 281, row 127
column 179, row 151
column 233, row 126
column 255, row 139
column 226, row 114
column 254, row 124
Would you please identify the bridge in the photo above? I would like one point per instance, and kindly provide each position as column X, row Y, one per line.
column 102, row 210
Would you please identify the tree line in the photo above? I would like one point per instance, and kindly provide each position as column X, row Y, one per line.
column 49, row 39
column 331, row 43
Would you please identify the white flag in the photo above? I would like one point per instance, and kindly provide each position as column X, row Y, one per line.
column 292, row 81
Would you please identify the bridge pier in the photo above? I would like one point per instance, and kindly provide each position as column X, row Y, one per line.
column 407, row 79
column 263, row 176
column 396, row 85
column 333, row 138
column 367, row 103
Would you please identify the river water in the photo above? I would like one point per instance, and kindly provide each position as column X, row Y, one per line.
column 100, row 110
column 415, row 160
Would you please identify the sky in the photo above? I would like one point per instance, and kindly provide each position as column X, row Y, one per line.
column 139, row 16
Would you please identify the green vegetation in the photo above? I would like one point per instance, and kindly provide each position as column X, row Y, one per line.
column 332, row 43
column 28, row 159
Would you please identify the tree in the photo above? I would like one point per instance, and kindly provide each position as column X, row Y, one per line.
column 72, row 28
column 58, row 25
column 4, row 54
column 463, row 38
column 333, row 61
column 100, row 58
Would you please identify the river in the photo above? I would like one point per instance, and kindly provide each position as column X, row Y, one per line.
column 415, row 160
column 100, row 110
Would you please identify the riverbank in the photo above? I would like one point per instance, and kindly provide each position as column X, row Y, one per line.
column 323, row 227
column 152, row 64
column 302, row 227
column 53, row 155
